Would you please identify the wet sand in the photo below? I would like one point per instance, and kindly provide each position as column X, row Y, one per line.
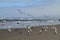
column 21, row 34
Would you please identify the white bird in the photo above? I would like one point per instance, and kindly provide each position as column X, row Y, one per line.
column 45, row 30
column 30, row 30
column 47, row 27
column 9, row 30
column 55, row 29
column 40, row 31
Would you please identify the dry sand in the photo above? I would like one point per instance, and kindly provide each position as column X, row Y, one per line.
column 21, row 34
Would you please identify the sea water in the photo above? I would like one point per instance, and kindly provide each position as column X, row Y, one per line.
column 26, row 23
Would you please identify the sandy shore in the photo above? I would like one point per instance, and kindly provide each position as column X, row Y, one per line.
column 21, row 34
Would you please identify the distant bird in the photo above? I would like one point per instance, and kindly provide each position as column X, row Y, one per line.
column 28, row 33
column 55, row 29
column 45, row 29
column 9, row 30
column 40, row 31
column 30, row 30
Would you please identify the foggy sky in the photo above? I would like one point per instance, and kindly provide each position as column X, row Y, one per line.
column 37, row 8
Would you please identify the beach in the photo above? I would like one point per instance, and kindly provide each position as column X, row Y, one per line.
column 21, row 34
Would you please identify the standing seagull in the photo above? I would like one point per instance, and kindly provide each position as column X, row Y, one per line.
column 29, row 28
column 9, row 29
column 45, row 28
column 40, row 31
column 28, row 33
column 55, row 29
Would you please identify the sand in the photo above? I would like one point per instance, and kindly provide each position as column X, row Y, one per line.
column 21, row 34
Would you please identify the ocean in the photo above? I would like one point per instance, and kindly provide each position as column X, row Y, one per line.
column 26, row 23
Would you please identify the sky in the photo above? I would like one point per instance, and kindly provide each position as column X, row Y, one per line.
column 37, row 8
column 25, row 3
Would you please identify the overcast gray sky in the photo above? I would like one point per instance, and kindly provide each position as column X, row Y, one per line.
column 37, row 8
